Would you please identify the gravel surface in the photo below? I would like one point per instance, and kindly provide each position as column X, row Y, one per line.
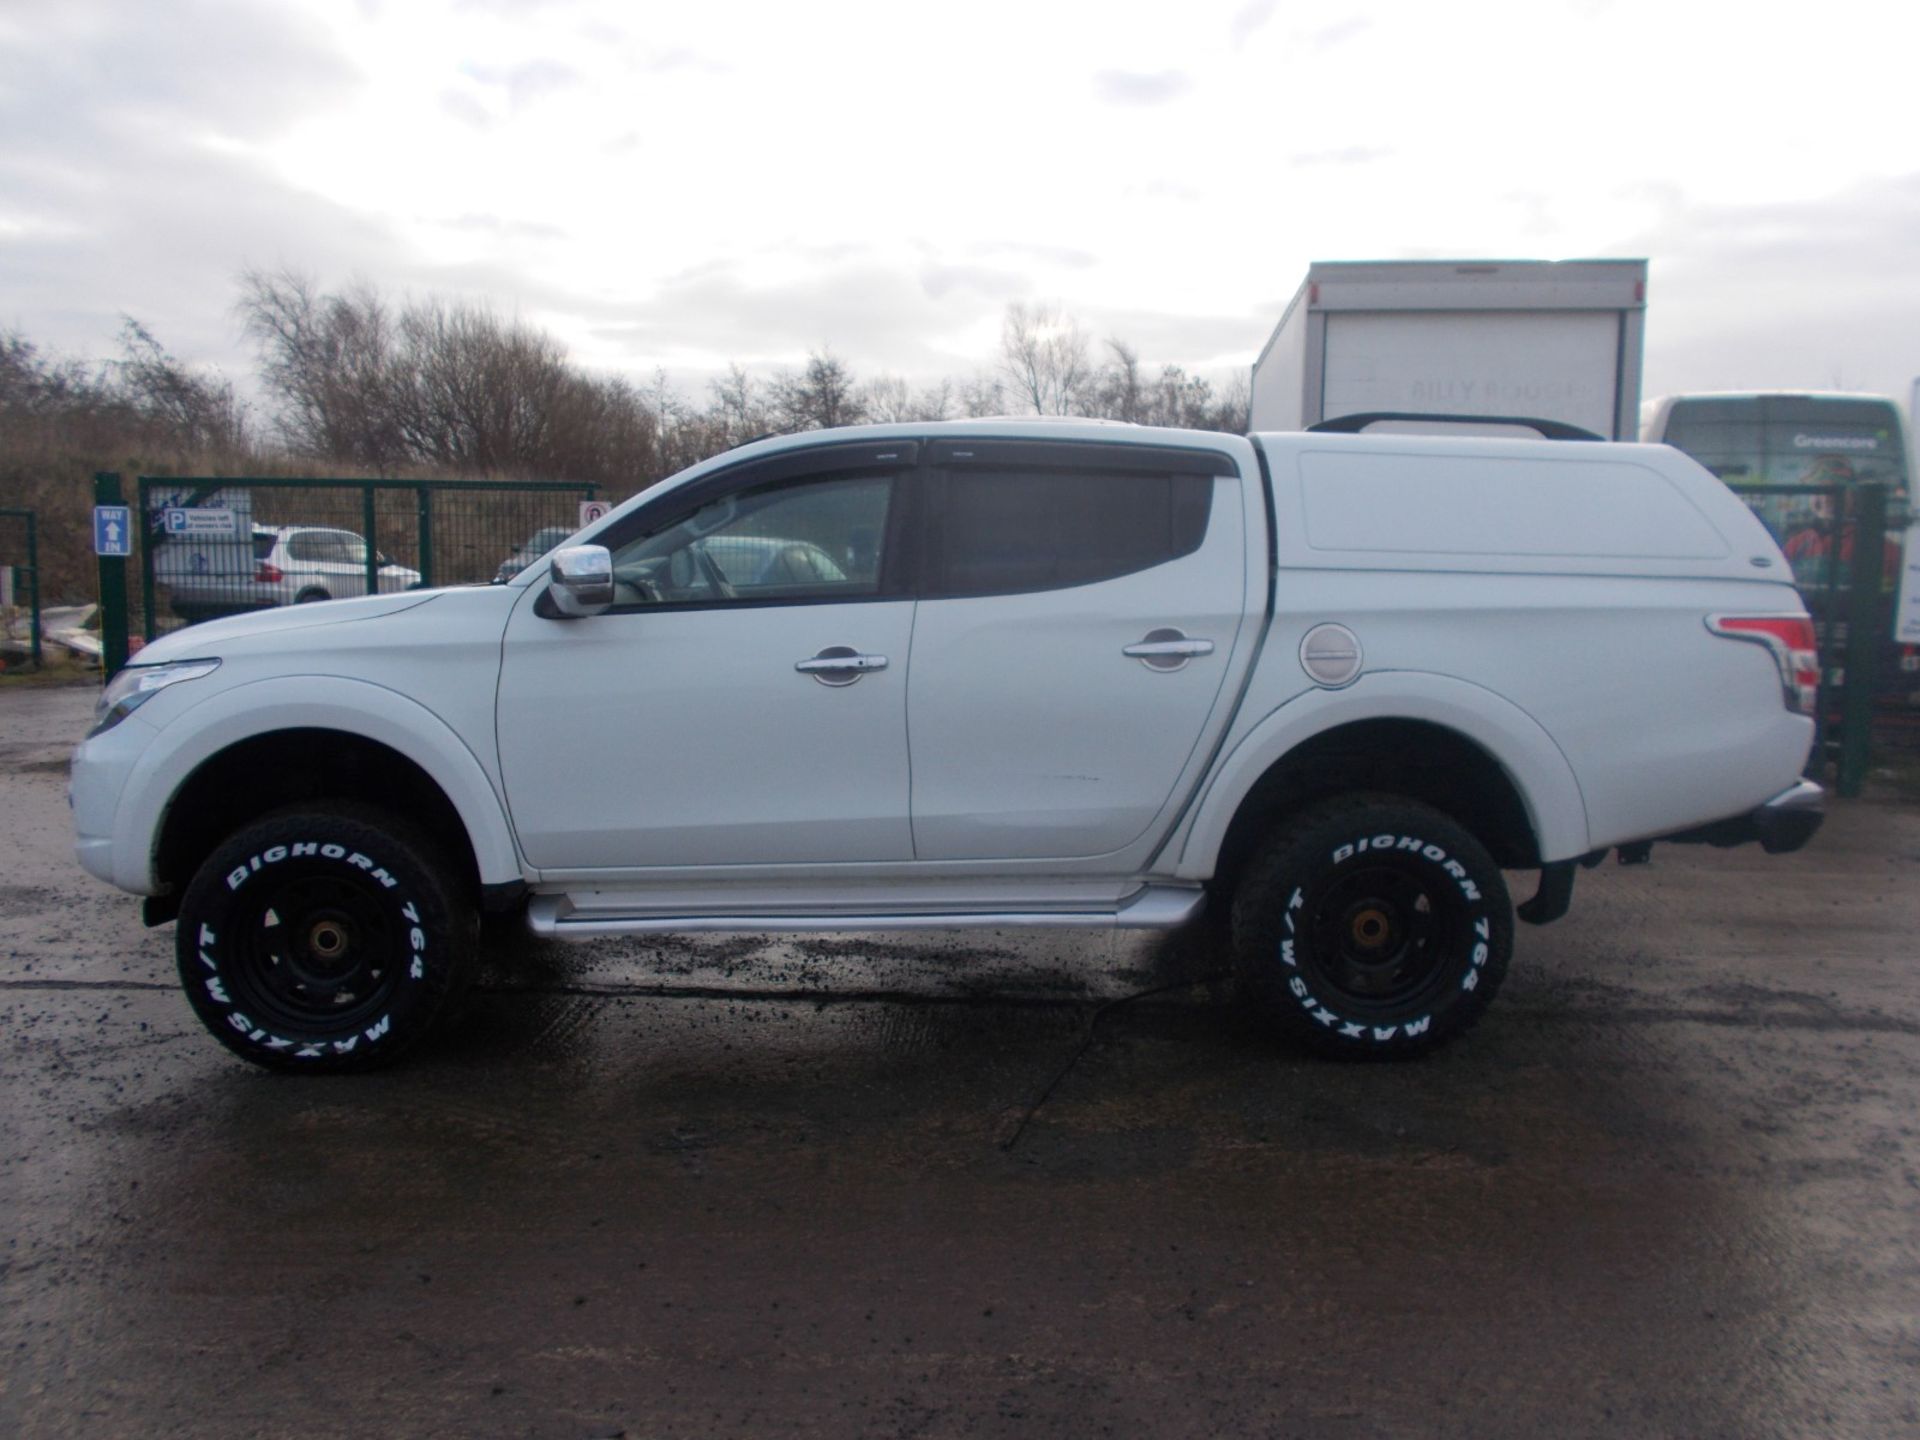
column 745, row 1186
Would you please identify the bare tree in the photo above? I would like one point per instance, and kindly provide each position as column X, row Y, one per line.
column 477, row 392
column 200, row 412
column 1043, row 355
column 453, row 386
column 328, row 360
column 445, row 384
column 983, row 395
column 738, row 410
column 1233, row 412
column 1122, row 394
column 822, row 396
column 890, row 401
column 603, row 430
column 61, row 419
column 1174, row 397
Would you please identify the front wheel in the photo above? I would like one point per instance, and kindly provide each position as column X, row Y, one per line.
column 323, row 939
column 1372, row 927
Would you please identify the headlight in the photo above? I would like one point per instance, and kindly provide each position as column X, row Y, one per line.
column 136, row 684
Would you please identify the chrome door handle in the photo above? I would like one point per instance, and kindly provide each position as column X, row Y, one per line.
column 840, row 665
column 1166, row 649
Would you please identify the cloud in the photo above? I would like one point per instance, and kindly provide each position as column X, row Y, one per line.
column 1163, row 189
column 1815, row 295
column 1345, row 155
column 144, row 197
column 1134, row 87
column 1249, row 19
column 1067, row 256
column 876, row 313
column 528, row 81
column 1207, row 343
column 198, row 65
column 462, row 107
column 477, row 222
column 667, row 61
column 1337, row 34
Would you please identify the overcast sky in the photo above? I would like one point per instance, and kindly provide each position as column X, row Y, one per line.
column 684, row 185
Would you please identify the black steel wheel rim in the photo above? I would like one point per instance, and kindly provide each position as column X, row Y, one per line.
column 316, row 952
column 1385, row 936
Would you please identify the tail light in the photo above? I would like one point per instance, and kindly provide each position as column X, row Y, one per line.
column 1791, row 639
column 268, row 574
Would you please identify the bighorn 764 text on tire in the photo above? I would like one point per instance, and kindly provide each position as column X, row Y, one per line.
column 988, row 674
column 323, row 939
column 1371, row 926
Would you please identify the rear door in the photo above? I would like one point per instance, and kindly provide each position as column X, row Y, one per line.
column 1080, row 612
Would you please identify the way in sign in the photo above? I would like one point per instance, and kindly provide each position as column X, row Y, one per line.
column 112, row 530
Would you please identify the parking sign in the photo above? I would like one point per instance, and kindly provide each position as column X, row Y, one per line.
column 189, row 520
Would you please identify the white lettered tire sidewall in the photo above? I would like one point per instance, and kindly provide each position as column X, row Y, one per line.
column 397, row 884
column 1281, row 906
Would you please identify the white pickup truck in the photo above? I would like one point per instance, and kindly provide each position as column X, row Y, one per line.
column 980, row 674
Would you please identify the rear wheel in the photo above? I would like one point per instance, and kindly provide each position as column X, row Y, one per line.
column 308, row 597
column 1372, row 927
column 324, row 939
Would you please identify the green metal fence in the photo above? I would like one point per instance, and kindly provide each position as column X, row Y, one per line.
column 1845, row 559
column 20, row 618
column 206, row 546
column 217, row 546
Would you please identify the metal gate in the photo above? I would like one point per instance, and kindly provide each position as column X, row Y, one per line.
column 20, row 620
column 207, row 546
column 1846, row 564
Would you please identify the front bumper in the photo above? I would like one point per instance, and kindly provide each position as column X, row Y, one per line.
column 101, row 767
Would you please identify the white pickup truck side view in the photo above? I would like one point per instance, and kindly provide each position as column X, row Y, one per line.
column 980, row 674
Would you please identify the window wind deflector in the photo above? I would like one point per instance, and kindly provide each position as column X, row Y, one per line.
column 876, row 455
column 1156, row 459
column 806, row 461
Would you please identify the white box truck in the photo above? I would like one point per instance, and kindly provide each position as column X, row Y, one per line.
column 1548, row 339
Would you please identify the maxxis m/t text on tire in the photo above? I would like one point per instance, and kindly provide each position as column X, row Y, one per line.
column 324, row 939
column 1372, row 927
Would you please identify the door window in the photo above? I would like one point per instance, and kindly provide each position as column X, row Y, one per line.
column 823, row 539
column 1003, row 532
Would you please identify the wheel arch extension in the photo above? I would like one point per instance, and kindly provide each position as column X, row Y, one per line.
column 1447, row 742
column 258, row 747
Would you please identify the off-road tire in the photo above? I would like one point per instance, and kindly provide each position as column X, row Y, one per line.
column 325, row 938
column 1371, row 927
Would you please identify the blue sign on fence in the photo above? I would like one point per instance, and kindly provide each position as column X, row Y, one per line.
column 112, row 530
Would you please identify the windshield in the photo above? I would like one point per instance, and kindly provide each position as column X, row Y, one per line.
column 1792, row 439
column 1801, row 445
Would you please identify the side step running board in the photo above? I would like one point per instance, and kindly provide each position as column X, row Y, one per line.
column 1157, row 907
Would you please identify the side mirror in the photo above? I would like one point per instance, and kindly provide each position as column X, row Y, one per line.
column 582, row 580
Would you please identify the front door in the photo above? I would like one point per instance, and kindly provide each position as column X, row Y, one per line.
column 743, row 702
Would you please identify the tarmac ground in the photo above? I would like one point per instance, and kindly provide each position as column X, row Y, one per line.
column 901, row 1185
